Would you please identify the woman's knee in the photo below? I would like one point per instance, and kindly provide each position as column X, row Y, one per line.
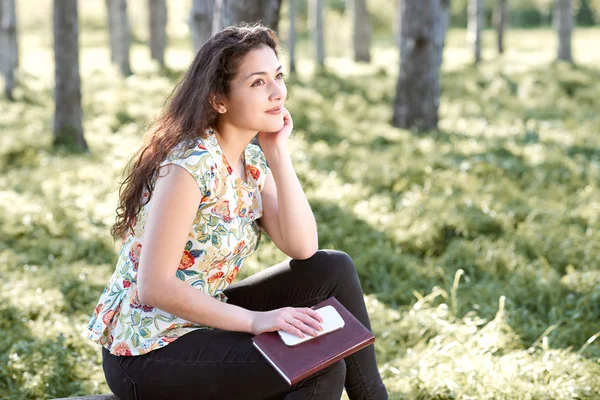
column 337, row 261
column 329, row 265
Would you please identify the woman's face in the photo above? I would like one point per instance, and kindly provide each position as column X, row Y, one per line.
column 257, row 93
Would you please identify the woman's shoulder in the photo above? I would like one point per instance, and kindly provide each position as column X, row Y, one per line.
column 190, row 150
column 196, row 159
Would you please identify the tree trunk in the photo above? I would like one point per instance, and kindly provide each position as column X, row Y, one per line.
column 361, row 32
column 500, row 14
column 118, row 26
column 9, row 49
column 201, row 21
column 157, row 10
column 292, row 39
column 271, row 14
column 423, row 27
column 68, row 130
column 316, row 25
column 563, row 21
column 475, row 26
column 234, row 12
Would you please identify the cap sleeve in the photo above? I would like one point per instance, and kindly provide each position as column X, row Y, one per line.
column 257, row 165
column 198, row 162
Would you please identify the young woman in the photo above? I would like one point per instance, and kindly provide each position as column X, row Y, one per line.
column 171, row 323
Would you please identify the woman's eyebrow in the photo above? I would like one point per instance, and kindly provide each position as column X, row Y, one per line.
column 262, row 73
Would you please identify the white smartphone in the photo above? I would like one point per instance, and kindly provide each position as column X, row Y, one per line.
column 332, row 321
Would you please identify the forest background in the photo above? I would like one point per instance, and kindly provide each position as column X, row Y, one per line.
column 477, row 243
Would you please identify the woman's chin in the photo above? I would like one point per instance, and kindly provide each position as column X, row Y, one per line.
column 273, row 127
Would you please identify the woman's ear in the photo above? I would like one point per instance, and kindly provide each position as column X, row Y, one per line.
column 217, row 104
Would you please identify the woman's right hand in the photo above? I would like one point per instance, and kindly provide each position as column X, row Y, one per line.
column 297, row 321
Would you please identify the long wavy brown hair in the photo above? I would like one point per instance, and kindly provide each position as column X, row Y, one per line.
column 187, row 114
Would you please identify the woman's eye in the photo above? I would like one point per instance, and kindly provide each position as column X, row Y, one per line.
column 260, row 81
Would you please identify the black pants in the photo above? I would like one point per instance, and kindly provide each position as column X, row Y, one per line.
column 219, row 364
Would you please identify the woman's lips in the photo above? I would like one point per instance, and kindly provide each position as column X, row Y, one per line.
column 274, row 111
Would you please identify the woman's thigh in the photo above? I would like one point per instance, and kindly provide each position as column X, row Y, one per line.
column 293, row 283
column 203, row 364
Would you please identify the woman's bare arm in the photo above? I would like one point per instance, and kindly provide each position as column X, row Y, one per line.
column 287, row 216
column 174, row 204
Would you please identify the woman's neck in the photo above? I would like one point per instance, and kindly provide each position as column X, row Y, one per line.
column 233, row 141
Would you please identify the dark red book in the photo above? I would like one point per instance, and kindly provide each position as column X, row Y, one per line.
column 295, row 363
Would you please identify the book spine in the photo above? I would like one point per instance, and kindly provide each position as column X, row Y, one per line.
column 283, row 375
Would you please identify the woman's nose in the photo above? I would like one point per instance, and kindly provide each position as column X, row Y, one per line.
column 277, row 91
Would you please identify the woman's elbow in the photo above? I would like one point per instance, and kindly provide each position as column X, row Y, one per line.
column 146, row 294
column 304, row 253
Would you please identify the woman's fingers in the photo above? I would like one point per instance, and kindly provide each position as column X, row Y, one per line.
column 292, row 325
column 300, row 321
column 295, row 326
column 307, row 320
column 311, row 319
column 311, row 324
column 311, row 312
column 302, row 326
column 287, row 117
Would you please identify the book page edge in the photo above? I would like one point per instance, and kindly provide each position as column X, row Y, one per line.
column 284, row 376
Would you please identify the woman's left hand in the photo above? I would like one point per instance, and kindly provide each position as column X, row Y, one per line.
column 274, row 140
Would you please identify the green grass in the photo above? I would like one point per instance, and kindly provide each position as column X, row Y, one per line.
column 477, row 244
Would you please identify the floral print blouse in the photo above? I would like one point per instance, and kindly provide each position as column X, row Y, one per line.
column 223, row 234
